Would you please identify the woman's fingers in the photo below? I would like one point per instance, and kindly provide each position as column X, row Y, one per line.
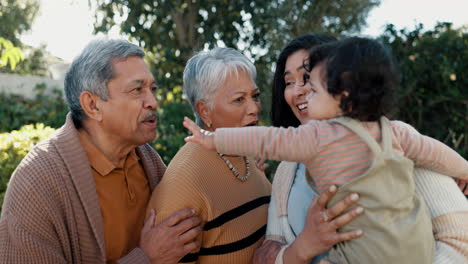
column 266, row 254
column 346, row 236
column 321, row 229
column 463, row 185
column 344, row 219
column 342, row 205
column 326, row 196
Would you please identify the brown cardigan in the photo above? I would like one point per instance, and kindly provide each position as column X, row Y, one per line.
column 51, row 210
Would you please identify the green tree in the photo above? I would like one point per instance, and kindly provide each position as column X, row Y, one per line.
column 16, row 18
column 171, row 31
column 433, row 94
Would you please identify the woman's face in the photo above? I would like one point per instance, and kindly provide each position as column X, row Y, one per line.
column 295, row 92
column 236, row 103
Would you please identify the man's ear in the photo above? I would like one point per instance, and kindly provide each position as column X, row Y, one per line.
column 91, row 105
column 204, row 112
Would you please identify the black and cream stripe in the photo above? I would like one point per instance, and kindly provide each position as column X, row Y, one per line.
column 224, row 218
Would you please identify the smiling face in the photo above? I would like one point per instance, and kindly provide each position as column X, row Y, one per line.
column 236, row 103
column 321, row 104
column 129, row 114
column 295, row 91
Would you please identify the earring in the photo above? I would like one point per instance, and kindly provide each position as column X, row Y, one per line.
column 208, row 124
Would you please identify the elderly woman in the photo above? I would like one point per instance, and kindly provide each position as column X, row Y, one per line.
column 228, row 193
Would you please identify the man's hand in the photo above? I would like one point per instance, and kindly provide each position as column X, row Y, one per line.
column 266, row 254
column 200, row 136
column 172, row 239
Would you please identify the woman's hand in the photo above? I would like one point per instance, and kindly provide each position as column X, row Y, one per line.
column 463, row 184
column 320, row 230
column 200, row 136
column 266, row 254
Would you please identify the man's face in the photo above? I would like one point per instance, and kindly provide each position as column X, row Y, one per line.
column 129, row 114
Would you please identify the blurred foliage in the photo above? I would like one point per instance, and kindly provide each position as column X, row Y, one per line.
column 171, row 31
column 33, row 63
column 433, row 95
column 48, row 108
column 171, row 133
column 16, row 18
column 170, row 130
column 9, row 54
column 13, row 148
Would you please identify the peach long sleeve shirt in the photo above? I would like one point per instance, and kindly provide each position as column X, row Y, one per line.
column 333, row 153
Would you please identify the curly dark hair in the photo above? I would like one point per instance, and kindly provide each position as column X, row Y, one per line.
column 281, row 114
column 365, row 69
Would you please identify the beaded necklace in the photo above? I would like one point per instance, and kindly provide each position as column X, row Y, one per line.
column 234, row 170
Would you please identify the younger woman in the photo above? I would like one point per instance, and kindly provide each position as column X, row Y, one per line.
column 352, row 82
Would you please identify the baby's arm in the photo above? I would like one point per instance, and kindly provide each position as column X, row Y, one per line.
column 290, row 144
column 430, row 153
column 199, row 136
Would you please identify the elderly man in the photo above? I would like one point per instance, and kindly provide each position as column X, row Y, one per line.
column 80, row 196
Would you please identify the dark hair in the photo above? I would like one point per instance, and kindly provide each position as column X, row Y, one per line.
column 281, row 113
column 365, row 69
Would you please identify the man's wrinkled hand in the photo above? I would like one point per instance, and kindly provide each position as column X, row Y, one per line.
column 172, row 239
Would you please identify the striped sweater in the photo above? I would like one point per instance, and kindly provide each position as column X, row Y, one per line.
column 334, row 154
column 234, row 213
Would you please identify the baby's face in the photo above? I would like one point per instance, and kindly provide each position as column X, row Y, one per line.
column 321, row 104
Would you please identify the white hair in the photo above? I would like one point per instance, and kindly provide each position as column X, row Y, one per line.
column 206, row 72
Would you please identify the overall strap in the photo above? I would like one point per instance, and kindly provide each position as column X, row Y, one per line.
column 357, row 128
column 386, row 134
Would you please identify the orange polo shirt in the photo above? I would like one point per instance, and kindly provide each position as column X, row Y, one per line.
column 123, row 196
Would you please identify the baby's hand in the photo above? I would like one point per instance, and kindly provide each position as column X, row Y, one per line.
column 261, row 164
column 200, row 136
column 463, row 184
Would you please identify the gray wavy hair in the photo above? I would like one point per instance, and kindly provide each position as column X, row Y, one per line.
column 92, row 70
column 206, row 71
